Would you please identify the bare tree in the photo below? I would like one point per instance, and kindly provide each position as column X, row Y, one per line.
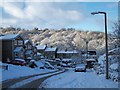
column 116, row 33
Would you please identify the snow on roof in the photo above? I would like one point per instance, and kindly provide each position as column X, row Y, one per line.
column 51, row 49
column 63, row 51
column 26, row 41
column 41, row 46
column 38, row 53
column 17, row 49
column 9, row 36
column 90, row 60
column 28, row 52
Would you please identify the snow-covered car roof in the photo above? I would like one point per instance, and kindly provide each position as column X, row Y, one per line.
column 80, row 66
column 32, row 60
column 90, row 59
column 19, row 59
column 67, row 59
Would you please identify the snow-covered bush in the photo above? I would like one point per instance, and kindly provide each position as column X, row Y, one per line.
column 113, row 60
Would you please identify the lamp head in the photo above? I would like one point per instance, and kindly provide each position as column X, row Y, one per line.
column 93, row 13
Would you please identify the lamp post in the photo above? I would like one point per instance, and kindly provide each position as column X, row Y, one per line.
column 87, row 49
column 105, row 17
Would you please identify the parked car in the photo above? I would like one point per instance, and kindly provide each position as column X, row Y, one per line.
column 32, row 64
column 18, row 61
column 80, row 68
column 48, row 65
column 66, row 64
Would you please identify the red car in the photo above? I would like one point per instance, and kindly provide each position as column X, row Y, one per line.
column 20, row 62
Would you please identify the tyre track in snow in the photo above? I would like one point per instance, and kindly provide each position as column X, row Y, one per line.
column 35, row 84
column 8, row 83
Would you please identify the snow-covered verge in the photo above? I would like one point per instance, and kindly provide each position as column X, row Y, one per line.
column 113, row 60
column 15, row 71
column 71, row 79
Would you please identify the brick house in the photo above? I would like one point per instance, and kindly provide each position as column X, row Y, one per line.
column 51, row 52
column 12, row 47
column 41, row 49
column 66, row 54
column 28, row 50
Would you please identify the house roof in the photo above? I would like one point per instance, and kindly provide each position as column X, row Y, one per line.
column 9, row 36
column 17, row 49
column 26, row 41
column 28, row 52
column 51, row 49
column 67, row 52
column 41, row 47
column 39, row 53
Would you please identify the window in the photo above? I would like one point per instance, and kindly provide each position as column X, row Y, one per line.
column 15, row 42
column 20, row 42
column 22, row 55
column 29, row 47
column 35, row 50
column 16, row 55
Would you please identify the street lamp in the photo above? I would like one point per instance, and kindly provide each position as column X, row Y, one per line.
column 105, row 16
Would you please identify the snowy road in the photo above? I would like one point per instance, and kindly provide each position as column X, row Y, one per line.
column 71, row 79
column 8, row 83
column 29, row 81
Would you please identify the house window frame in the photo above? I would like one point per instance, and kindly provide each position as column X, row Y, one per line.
column 16, row 54
column 20, row 42
column 15, row 42
column 29, row 46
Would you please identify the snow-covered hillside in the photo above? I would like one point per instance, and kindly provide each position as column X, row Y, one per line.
column 66, row 38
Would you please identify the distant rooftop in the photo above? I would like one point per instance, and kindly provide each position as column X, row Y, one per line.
column 26, row 41
column 63, row 51
column 9, row 36
column 41, row 47
column 18, row 49
column 51, row 49
column 28, row 52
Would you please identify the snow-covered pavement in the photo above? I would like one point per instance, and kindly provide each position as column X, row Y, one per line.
column 71, row 79
column 20, row 71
